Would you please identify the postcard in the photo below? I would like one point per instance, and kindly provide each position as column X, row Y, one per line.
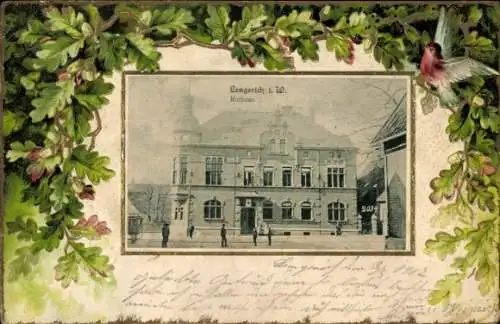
column 250, row 162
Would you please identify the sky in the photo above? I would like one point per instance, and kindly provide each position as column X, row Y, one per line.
column 355, row 106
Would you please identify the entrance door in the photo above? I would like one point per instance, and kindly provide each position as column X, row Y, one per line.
column 247, row 220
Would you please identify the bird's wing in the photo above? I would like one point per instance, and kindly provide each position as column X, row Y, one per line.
column 461, row 68
column 445, row 33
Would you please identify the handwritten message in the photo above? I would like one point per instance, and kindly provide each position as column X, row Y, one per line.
column 343, row 289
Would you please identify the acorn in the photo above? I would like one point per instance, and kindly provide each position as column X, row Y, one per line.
column 357, row 40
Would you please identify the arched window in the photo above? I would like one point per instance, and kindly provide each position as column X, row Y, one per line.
column 213, row 209
column 179, row 212
column 286, row 210
column 306, row 211
column 267, row 210
column 272, row 144
column 336, row 212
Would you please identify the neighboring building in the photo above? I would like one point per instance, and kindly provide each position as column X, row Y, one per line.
column 250, row 169
column 392, row 139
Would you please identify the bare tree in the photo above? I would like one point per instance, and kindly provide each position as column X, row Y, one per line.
column 148, row 194
column 157, row 207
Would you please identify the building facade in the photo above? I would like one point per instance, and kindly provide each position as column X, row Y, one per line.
column 392, row 140
column 259, row 169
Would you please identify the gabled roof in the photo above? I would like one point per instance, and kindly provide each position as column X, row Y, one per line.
column 245, row 128
column 395, row 124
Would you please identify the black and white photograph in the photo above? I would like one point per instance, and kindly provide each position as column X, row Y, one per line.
column 267, row 162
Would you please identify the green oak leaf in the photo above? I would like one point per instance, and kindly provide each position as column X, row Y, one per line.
column 252, row 17
column 479, row 46
column 55, row 53
column 29, row 81
column 73, row 208
column 94, row 16
column 66, row 20
column 218, row 22
column 23, row 264
column 95, row 96
column 52, row 99
column 483, row 144
column 482, row 249
column 459, row 128
column 339, row 44
column 19, row 150
column 390, row 52
column 112, row 51
column 171, row 20
column 93, row 260
column 274, row 60
column 77, row 123
column 308, row 50
column 67, row 269
column 26, row 229
column 475, row 14
column 91, row 165
column 296, row 24
column 35, row 32
column 60, row 191
column 445, row 184
column 442, row 245
column 450, row 213
column 12, row 122
column 493, row 13
column 490, row 119
column 447, row 288
column 142, row 52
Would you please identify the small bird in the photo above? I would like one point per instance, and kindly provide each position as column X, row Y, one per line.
column 440, row 70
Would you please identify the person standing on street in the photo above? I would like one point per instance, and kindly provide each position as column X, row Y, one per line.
column 165, row 233
column 255, row 234
column 191, row 231
column 223, row 239
column 269, row 234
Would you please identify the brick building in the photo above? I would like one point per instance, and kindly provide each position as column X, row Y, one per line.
column 254, row 169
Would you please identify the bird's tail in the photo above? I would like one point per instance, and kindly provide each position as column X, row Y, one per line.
column 447, row 96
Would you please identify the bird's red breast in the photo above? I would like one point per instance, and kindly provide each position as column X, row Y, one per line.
column 432, row 68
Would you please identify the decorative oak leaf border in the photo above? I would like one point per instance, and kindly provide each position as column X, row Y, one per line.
column 57, row 57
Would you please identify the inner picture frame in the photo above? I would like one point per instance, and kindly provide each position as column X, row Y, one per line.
column 260, row 152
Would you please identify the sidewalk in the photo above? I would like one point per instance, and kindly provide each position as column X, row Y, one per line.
column 358, row 242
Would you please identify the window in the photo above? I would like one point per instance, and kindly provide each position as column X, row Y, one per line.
column 336, row 212
column 179, row 212
column 267, row 210
column 174, row 172
column 306, row 211
column 213, row 170
column 183, row 169
column 248, row 176
column 305, row 177
column 306, row 154
column 282, row 146
column 336, row 177
column 271, row 147
column 213, row 209
column 287, row 176
column 286, row 210
column 268, row 176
